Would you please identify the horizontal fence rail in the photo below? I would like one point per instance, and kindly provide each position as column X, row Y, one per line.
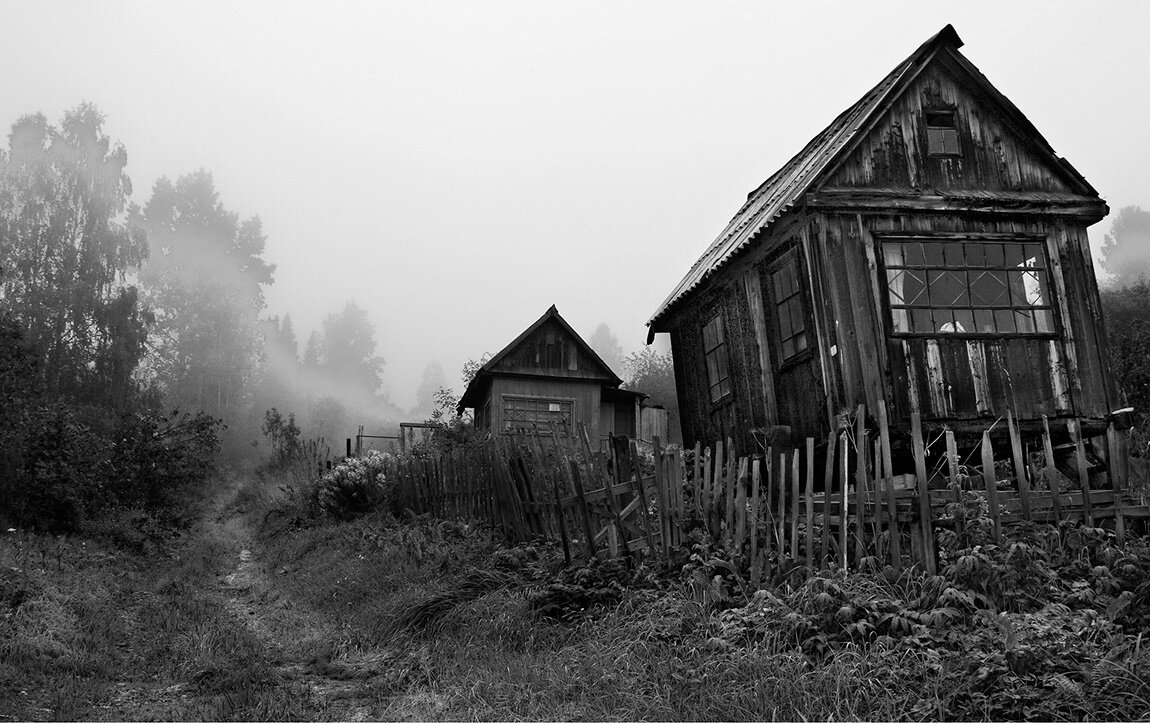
column 776, row 510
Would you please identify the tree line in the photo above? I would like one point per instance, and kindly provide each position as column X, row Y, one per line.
column 113, row 314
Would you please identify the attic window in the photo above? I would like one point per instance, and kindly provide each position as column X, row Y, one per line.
column 966, row 287
column 715, row 352
column 941, row 133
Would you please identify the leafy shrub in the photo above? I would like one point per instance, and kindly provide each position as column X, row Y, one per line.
column 356, row 486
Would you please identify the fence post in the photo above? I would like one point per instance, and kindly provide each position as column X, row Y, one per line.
column 924, row 513
column 1020, row 466
column 860, row 483
column 991, row 482
column 1053, row 476
column 1075, row 427
column 756, row 564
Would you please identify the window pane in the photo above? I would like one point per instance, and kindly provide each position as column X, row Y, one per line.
column 801, row 342
column 994, row 255
column 788, row 349
column 913, row 254
column 709, row 336
column 1013, row 254
column 1004, row 321
column 895, row 281
column 784, row 323
column 901, row 324
column 1034, row 256
column 975, row 255
column 892, row 254
column 984, row 321
column 952, row 252
column 933, row 254
column 988, row 288
column 921, row 320
column 1043, row 321
column 1032, row 284
column 964, row 321
column 1023, row 322
column 797, row 322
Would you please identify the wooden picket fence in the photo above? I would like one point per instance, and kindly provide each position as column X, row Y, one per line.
column 774, row 510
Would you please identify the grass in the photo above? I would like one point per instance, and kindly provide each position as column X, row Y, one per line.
column 429, row 620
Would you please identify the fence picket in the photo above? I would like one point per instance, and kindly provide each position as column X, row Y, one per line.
column 810, row 504
column 989, row 479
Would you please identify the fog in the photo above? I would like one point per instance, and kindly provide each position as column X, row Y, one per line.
column 456, row 168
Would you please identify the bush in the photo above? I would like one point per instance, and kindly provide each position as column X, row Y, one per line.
column 356, row 486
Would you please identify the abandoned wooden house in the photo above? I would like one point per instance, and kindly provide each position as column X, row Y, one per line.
column 927, row 251
column 549, row 376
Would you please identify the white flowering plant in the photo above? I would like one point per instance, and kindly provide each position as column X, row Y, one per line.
column 357, row 485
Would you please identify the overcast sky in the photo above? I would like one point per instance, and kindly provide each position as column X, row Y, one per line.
column 456, row 168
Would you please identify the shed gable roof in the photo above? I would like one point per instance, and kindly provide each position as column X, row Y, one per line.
column 785, row 189
column 595, row 368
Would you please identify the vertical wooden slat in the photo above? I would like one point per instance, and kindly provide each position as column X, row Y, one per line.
column 860, row 483
column 741, row 505
column 956, row 486
column 877, row 497
column 719, row 480
column 729, row 503
column 921, row 483
column 1114, row 461
column 697, row 489
column 770, row 516
column 1075, row 427
column 810, row 503
column 756, row 564
column 642, row 497
column 1020, row 466
column 705, row 507
column 795, row 482
column 1053, row 476
column 620, row 536
column 828, row 481
column 843, row 511
column 562, row 521
column 661, row 498
column 991, row 482
column 780, row 508
column 584, row 512
column 888, row 475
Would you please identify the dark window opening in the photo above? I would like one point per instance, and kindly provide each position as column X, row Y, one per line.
column 715, row 353
column 941, row 133
column 938, row 287
column 792, row 322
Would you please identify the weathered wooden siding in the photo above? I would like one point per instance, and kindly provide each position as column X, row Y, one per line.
column 994, row 157
column 584, row 394
column 552, row 351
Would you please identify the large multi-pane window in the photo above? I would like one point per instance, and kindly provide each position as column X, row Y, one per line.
column 789, row 309
column 958, row 286
column 536, row 415
column 715, row 352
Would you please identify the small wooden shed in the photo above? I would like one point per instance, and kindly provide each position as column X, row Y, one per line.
column 549, row 376
column 927, row 250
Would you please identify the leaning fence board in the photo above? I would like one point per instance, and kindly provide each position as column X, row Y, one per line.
column 843, row 511
column 991, row 482
column 741, row 505
column 1053, row 476
column 780, row 509
column 828, row 480
column 921, row 484
column 860, row 482
column 756, row 564
column 955, row 484
column 809, row 498
column 1075, row 428
column 729, row 500
column 795, row 476
column 1020, row 467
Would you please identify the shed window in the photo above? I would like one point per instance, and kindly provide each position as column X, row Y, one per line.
column 938, row 287
column 789, row 307
column 535, row 415
column 715, row 352
column 941, row 133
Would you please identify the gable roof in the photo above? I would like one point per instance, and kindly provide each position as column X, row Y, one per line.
column 784, row 190
column 482, row 377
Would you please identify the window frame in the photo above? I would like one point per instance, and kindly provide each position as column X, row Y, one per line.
column 1047, row 285
column 799, row 296
column 952, row 118
column 722, row 360
column 535, row 398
